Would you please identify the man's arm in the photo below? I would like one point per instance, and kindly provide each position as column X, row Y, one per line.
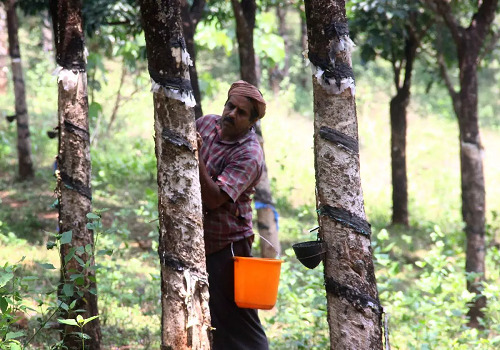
column 211, row 194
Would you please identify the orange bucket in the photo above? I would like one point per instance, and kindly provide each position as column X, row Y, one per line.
column 256, row 282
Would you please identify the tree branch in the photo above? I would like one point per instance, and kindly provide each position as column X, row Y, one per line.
column 196, row 11
column 443, row 8
column 483, row 18
column 490, row 46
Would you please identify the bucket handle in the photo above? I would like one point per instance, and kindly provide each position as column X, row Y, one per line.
column 232, row 251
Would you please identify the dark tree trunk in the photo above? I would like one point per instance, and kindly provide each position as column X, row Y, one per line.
column 398, row 106
column 184, row 281
column 74, row 170
column 47, row 34
column 469, row 42
column 244, row 12
column 303, row 40
column 3, row 50
column 23, row 133
column 354, row 310
column 276, row 75
column 191, row 16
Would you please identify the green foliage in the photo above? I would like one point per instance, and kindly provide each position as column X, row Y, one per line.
column 300, row 320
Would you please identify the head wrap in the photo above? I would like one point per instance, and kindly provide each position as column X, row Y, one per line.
column 242, row 88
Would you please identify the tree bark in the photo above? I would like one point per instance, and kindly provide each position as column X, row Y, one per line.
column 244, row 13
column 354, row 310
column 469, row 42
column 23, row 134
column 399, row 104
column 276, row 75
column 47, row 34
column 3, row 50
column 184, row 282
column 74, row 170
column 191, row 16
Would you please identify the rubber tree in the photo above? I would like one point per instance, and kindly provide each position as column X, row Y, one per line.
column 191, row 16
column 244, row 13
column 3, row 49
column 25, row 163
column 353, row 307
column 394, row 30
column 469, row 40
column 74, row 171
column 184, row 282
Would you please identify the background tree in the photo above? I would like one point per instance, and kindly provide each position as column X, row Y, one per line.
column 244, row 13
column 191, row 16
column 25, row 164
column 184, row 281
column 74, row 168
column 354, row 310
column 469, row 42
column 394, row 30
column 3, row 49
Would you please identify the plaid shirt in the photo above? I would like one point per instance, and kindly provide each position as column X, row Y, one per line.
column 236, row 166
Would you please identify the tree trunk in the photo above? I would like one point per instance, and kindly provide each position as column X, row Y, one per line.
column 354, row 310
column 47, row 34
column 276, row 75
column 303, row 41
column 469, row 42
column 473, row 188
column 398, row 106
column 184, row 282
column 191, row 16
column 244, row 13
column 23, row 133
column 74, row 170
column 398, row 159
column 3, row 50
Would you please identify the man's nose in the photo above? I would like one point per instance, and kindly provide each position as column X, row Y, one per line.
column 232, row 113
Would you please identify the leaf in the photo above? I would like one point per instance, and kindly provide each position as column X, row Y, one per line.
column 50, row 245
column 75, row 276
column 13, row 335
column 80, row 261
column 47, row 266
column 66, row 237
column 88, row 249
column 94, row 109
column 69, row 321
column 70, row 255
column 68, row 290
column 93, row 216
column 89, row 319
column 4, row 304
column 5, row 277
column 72, row 305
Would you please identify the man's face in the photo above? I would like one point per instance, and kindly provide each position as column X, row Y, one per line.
column 236, row 118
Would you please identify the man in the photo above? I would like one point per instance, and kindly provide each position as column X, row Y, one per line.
column 231, row 161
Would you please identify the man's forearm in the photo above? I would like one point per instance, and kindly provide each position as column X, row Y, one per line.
column 211, row 194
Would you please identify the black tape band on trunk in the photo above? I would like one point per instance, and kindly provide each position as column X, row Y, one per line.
column 353, row 296
column 176, row 139
column 183, row 85
column 74, row 129
column 347, row 219
column 75, row 185
column 335, row 136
